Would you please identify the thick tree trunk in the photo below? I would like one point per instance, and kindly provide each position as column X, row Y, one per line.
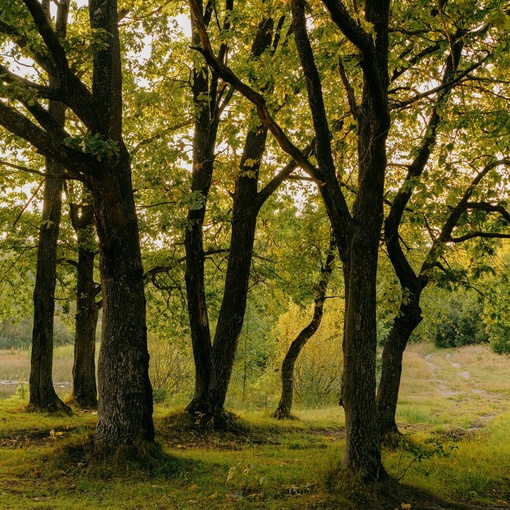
column 362, row 454
column 42, row 393
column 84, row 392
column 285, row 405
column 125, row 392
column 362, row 449
column 387, row 394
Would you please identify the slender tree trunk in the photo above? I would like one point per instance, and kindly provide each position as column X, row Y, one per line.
column 87, row 310
column 42, row 392
column 387, row 394
column 204, row 143
column 412, row 284
column 285, row 405
column 245, row 210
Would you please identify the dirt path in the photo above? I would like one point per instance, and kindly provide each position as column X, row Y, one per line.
column 464, row 389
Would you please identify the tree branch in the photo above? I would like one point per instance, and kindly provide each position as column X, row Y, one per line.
column 348, row 25
column 443, row 86
column 257, row 99
column 71, row 159
column 471, row 235
column 50, row 38
column 486, row 206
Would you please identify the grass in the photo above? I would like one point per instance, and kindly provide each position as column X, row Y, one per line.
column 456, row 449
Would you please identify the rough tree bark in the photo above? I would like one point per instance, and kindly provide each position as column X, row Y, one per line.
column 125, row 393
column 283, row 411
column 42, row 392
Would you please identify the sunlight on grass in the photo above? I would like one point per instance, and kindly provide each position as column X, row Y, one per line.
column 456, row 431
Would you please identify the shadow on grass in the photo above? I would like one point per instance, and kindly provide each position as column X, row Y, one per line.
column 139, row 460
column 388, row 494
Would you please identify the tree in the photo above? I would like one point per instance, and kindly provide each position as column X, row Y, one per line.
column 462, row 190
column 214, row 360
column 99, row 158
column 42, row 393
column 287, row 371
column 357, row 235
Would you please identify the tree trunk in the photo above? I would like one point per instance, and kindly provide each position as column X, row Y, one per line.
column 362, row 449
column 245, row 210
column 42, row 392
column 125, row 392
column 285, row 405
column 204, row 143
column 412, row 284
column 362, row 453
column 84, row 392
column 387, row 394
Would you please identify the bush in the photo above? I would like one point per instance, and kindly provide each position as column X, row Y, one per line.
column 17, row 333
column 451, row 318
column 461, row 324
column 499, row 338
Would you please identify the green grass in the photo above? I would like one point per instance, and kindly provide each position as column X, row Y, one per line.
column 47, row 462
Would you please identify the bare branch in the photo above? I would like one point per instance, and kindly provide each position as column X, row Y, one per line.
column 471, row 235
column 351, row 97
column 443, row 86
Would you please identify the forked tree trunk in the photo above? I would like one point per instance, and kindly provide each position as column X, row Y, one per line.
column 42, row 392
column 214, row 365
column 84, row 392
column 125, row 393
column 283, row 411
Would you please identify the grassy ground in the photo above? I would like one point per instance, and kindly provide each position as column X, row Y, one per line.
column 456, row 453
